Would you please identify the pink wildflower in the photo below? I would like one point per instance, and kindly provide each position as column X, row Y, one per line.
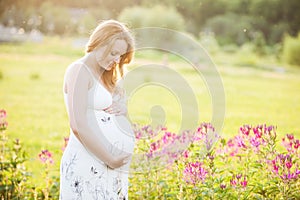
column 254, row 142
column 222, row 186
column 194, row 172
column 3, row 122
column 233, row 182
column 138, row 135
column 240, row 142
column 245, row 129
column 290, row 136
column 238, row 176
column 275, row 168
column 46, row 157
column 296, row 144
column 186, row 154
column 244, row 182
column 289, row 164
column 257, row 131
column 283, row 167
column 287, row 144
column 290, row 143
column 163, row 128
column 2, row 114
column 66, row 140
column 230, row 143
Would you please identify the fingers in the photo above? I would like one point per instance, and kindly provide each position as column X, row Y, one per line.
column 116, row 109
column 119, row 162
column 112, row 110
column 127, row 159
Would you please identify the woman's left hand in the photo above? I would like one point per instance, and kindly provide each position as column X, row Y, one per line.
column 116, row 108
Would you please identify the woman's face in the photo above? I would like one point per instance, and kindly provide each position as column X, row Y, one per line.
column 118, row 49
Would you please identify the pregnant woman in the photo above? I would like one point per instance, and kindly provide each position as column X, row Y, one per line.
column 96, row 161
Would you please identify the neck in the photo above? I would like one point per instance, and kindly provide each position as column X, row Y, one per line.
column 90, row 60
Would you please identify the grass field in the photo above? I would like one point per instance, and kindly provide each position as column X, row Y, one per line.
column 31, row 77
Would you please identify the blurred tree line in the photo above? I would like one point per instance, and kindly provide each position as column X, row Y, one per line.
column 236, row 21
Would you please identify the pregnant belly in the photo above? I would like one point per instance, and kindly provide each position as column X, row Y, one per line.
column 117, row 130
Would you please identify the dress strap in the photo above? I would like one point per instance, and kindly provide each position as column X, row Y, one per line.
column 89, row 70
column 97, row 80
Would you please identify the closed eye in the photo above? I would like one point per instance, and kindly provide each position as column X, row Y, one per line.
column 114, row 53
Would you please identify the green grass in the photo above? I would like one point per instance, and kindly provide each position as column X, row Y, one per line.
column 31, row 93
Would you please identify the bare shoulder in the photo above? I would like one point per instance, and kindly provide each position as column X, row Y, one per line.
column 77, row 70
column 76, row 73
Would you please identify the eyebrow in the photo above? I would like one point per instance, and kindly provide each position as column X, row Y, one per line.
column 115, row 51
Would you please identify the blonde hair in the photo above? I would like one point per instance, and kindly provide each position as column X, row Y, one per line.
column 106, row 33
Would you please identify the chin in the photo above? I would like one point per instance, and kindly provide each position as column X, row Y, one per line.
column 108, row 69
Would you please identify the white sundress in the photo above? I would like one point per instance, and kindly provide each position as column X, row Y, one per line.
column 82, row 175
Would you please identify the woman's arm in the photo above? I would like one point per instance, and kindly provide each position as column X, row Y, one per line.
column 77, row 81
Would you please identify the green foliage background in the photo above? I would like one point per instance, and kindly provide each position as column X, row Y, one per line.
column 227, row 19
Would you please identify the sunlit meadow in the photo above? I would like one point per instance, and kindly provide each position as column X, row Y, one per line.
column 261, row 108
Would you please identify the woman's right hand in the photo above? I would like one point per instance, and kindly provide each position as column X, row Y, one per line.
column 120, row 161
